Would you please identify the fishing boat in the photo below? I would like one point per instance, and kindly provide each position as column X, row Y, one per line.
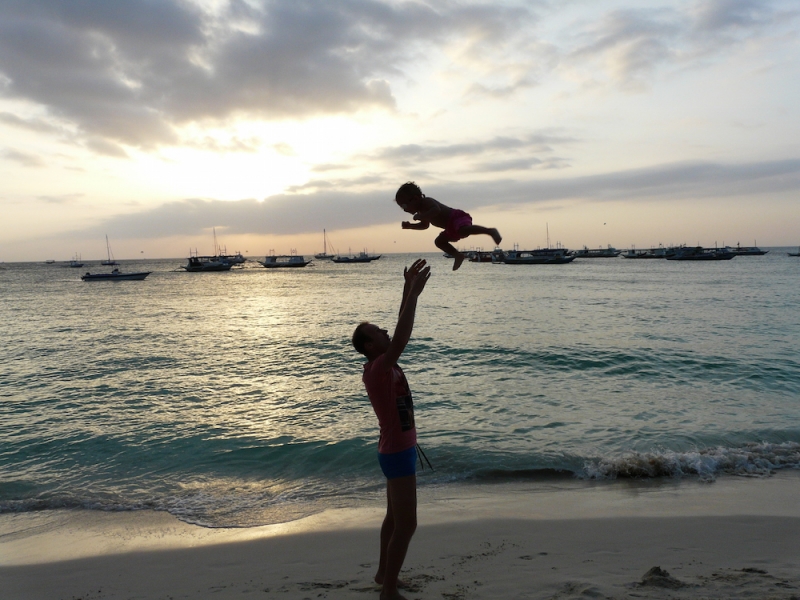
column 597, row 252
column 324, row 254
column 110, row 260
column 700, row 253
column 282, row 261
column 115, row 275
column 659, row 252
column 541, row 256
column 361, row 257
column 207, row 263
column 746, row 250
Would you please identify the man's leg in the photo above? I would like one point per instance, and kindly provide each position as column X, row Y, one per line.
column 402, row 499
column 387, row 529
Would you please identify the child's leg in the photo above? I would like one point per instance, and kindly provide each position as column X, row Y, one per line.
column 444, row 244
column 468, row 230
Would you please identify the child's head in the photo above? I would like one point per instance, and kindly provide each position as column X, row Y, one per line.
column 408, row 194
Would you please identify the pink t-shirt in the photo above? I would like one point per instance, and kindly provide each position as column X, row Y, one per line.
column 390, row 396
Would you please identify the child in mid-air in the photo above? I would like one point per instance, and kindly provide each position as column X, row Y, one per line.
column 456, row 223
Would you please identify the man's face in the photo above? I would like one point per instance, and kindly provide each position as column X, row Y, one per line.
column 379, row 338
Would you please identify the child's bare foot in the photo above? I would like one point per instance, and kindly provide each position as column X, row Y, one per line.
column 496, row 236
column 457, row 260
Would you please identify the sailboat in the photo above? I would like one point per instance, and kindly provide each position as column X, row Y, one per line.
column 110, row 260
column 324, row 253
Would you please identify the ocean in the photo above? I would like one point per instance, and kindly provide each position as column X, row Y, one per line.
column 235, row 399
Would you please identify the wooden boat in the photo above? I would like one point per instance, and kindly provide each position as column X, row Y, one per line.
column 542, row 256
column 282, row 261
column 700, row 253
column 361, row 257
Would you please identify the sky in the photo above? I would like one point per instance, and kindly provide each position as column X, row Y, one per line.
column 161, row 123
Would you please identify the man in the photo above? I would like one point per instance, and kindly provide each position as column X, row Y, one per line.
column 390, row 396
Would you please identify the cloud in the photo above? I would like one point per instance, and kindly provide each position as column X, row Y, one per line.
column 628, row 47
column 419, row 153
column 329, row 207
column 133, row 72
column 24, row 159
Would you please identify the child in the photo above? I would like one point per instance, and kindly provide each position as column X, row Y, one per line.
column 456, row 223
column 390, row 396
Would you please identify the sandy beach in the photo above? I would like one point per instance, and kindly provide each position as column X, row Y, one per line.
column 734, row 538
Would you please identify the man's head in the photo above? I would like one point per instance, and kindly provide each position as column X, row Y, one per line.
column 408, row 195
column 370, row 340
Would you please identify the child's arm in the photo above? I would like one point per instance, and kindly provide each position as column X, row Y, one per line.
column 419, row 225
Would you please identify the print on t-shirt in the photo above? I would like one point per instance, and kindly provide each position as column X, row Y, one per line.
column 405, row 409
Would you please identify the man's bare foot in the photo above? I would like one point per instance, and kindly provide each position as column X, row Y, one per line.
column 394, row 595
column 457, row 260
column 496, row 236
column 400, row 583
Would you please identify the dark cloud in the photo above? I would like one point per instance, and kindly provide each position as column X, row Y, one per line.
column 331, row 208
column 130, row 72
column 419, row 153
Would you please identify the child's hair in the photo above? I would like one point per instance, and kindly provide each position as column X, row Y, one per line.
column 408, row 191
column 360, row 338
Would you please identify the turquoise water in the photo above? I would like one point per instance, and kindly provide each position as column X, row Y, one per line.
column 235, row 399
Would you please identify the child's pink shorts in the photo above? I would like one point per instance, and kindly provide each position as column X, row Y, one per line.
column 457, row 220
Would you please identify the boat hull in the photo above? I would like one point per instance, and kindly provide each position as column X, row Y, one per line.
column 115, row 276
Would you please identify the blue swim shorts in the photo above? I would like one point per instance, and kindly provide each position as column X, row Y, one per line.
column 399, row 464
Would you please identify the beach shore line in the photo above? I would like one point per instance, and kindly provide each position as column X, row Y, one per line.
column 734, row 538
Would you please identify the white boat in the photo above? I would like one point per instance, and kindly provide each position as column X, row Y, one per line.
column 361, row 257
column 324, row 254
column 586, row 252
column 659, row 252
column 542, row 256
column 76, row 262
column 207, row 263
column 110, row 260
column 115, row 275
column 746, row 250
column 282, row 261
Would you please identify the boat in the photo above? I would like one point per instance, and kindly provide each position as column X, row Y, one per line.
column 234, row 259
column 361, row 257
column 110, row 260
column 794, row 253
column 597, row 252
column 746, row 250
column 115, row 275
column 324, row 254
column 541, row 256
column 659, row 252
column 482, row 256
column 50, row 261
column 700, row 253
column 76, row 262
column 207, row 263
column 284, row 261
